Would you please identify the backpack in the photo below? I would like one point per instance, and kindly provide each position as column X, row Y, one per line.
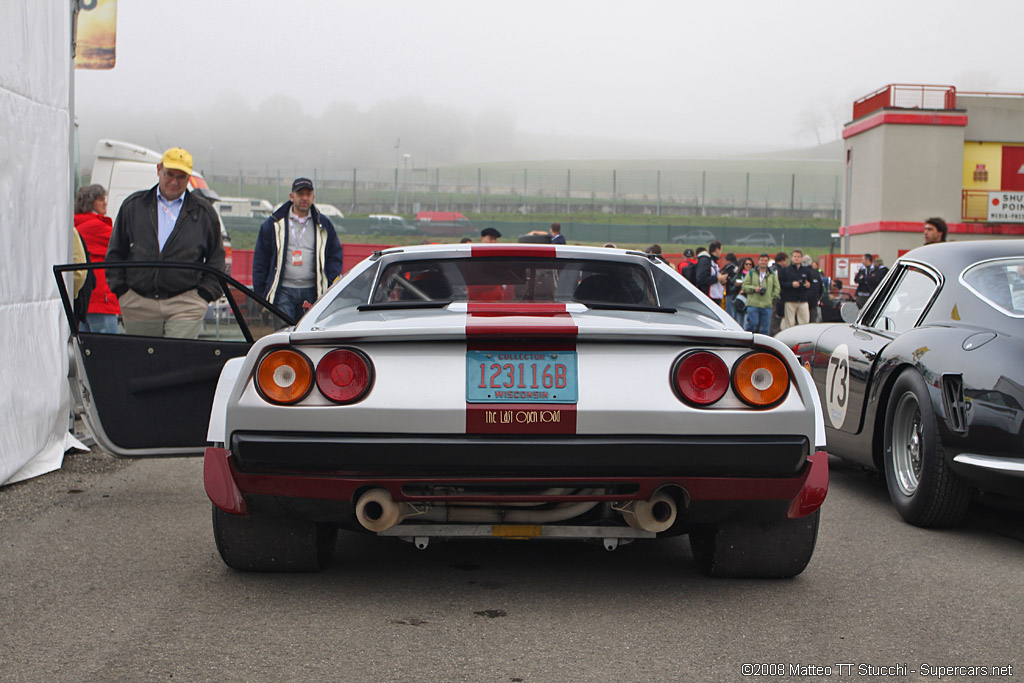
column 689, row 271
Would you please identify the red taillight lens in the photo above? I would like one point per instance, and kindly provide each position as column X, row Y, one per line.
column 284, row 376
column 700, row 378
column 344, row 375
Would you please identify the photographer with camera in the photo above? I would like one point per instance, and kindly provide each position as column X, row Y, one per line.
column 761, row 287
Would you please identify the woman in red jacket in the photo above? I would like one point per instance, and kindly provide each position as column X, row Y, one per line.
column 94, row 227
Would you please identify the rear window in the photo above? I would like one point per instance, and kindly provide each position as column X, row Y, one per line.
column 1000, row 283
column 520, row 279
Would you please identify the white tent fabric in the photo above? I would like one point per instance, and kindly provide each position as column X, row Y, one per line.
column 35, row 220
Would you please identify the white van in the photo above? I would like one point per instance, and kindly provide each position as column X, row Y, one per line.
column 123, row 168
column 329, row 210
column 245, row 207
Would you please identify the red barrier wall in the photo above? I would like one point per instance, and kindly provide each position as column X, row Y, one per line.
column 351, row 254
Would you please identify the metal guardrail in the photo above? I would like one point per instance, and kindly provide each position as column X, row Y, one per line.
column 906, row 96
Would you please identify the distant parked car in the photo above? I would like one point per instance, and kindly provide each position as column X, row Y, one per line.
column 695, row 237
column 390, row 224
column 758, row 239
column 443, row 224
column 329, row 210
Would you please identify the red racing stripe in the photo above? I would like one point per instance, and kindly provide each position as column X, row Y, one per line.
column 520, row 326
column 519, row 319
column 509, row 251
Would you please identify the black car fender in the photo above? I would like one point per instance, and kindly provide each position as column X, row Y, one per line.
column 931, row 351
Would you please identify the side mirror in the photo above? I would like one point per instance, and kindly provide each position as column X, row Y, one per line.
column 848, row 312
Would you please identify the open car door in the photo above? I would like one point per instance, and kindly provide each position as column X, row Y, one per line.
column 147, row 389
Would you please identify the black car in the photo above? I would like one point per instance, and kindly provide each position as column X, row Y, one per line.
column 927, row 385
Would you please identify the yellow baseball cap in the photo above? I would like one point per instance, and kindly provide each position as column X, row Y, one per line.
column 177, row 159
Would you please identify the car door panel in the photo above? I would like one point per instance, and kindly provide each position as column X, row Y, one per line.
column 146, row 396
column 147, row 393
column 858, row 348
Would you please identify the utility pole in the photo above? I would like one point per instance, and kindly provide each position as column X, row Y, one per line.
column 703, row 193
column 524, row 191
column 568, row 190
column 398, row 144
column 614, row 189
column 659, row 193
column 747, row 202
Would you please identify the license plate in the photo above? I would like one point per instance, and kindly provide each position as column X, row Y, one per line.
column 521, row 377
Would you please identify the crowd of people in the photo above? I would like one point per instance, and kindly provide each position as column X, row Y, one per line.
column 776, row 292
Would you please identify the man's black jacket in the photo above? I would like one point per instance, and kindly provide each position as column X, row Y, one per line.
column 195, row 238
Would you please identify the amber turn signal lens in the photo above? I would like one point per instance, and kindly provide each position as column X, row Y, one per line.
column 760, row 379
column 344, row 376
column 284, row 376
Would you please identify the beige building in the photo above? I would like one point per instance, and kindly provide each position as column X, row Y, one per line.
column 916, row 151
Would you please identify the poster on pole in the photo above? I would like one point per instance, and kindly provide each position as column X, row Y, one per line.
column 96, row 34
column 1006, row 207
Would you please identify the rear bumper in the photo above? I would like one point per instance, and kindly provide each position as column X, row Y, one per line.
column 708, row 498
column 428, row 455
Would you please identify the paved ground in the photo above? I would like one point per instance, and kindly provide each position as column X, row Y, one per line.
column 109, row 572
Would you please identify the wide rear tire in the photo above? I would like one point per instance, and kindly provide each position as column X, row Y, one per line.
column 767, row 550
column 925, row 491
column 251, row 543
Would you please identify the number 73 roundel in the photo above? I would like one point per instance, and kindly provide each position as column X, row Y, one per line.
column 837, row 385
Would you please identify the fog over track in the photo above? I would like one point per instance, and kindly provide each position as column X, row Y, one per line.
column 265, row 82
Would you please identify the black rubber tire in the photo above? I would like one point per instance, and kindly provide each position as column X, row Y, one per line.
column 767, row 550
column 925, row 491
column 250, row 543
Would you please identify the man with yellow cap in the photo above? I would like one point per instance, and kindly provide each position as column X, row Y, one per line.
column 166, row 223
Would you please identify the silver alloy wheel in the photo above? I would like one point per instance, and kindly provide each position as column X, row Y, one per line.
column 907, row 443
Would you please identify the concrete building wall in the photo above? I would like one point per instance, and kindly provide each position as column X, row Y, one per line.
column 903, row 172
column 922, row 171
column 993, row 118
column 865, row 183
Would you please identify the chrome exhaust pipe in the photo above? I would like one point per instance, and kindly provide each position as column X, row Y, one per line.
column 656, row 514
column 376, row 510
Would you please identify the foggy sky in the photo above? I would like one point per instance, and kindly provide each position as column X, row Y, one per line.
column 757, row 74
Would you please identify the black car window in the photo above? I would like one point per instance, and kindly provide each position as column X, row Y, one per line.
column 515, row 279
column 999, row 283
column 672, row 294
column 353, row 294
column 905, row 302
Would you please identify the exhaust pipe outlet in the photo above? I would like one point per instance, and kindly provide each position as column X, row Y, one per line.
column 656, row 514
column 376, row 511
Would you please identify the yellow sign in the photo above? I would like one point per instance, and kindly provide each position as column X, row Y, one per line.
column 96, row 35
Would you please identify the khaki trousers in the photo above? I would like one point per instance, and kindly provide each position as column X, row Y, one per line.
column 797, row 313
column 178, row 316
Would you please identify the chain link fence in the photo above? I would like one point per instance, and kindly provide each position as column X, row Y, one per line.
column 508, row 189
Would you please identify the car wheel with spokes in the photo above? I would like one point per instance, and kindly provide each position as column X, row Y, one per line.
column 252, row 543
column 924, row 489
